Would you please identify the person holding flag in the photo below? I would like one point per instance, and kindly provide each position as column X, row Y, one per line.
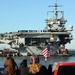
column 46, row 52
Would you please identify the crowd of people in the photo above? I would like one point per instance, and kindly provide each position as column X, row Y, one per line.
column 62, row 50
column 34, row 68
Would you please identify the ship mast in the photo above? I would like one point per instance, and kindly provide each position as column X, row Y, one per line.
column 55, row 10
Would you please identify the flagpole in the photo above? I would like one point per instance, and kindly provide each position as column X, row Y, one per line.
column 45, row 59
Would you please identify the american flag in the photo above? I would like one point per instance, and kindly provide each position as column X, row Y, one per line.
column 46, row 52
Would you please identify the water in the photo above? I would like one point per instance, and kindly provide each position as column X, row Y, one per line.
column 49, row 61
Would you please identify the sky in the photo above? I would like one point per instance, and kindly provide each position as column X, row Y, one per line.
column 31, row 14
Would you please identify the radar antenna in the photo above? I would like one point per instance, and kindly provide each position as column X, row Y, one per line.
column 55, row 10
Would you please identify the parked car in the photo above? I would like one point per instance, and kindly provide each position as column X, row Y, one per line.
column 63, row 68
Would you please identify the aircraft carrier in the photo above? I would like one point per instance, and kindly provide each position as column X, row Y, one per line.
column 34, row 41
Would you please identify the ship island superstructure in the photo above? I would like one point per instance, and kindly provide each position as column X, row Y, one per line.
column 34, row 41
